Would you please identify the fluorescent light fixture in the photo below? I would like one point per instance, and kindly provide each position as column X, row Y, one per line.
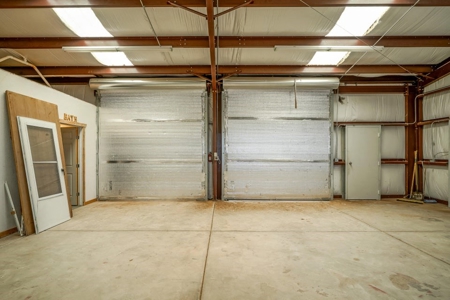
column 117, row 48
column 112, row 58
column 328, row 58
column 332, row 48
column 358, row 21
column 82, row 21
column 278, row 82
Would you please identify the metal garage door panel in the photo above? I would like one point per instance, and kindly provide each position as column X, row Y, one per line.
column 152, row 144
column 277, row 180
column 273, row 150
column 278, row 104
column 293, row 140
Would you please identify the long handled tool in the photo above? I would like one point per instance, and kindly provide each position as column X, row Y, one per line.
column 13, row 211
column 414, row 197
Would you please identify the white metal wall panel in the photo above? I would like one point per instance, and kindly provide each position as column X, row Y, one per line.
column 436, row 182
column 438, row 84
column 393, row 179
column 273, row 150
column 393, row 142
column 368, row 107
column 152, row 144
column 436, row 141
column 437, row 105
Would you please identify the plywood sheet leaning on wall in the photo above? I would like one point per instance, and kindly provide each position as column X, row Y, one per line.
column 20, row 105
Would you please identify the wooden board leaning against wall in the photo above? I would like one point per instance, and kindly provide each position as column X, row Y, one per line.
column 24, row 106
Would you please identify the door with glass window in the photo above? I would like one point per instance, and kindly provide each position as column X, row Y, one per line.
column 45, row 172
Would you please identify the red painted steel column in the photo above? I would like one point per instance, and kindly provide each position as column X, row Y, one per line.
column 212, row 54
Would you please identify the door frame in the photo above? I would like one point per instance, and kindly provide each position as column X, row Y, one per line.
column 81, row 158
column 347, row 162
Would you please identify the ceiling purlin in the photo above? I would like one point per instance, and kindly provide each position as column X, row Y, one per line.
column 225, row 42
column 223, row 3
column 206, row 70
column 345, row 80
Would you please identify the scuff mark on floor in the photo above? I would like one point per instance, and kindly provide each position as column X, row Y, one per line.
column 404, row 282
column 378, row 289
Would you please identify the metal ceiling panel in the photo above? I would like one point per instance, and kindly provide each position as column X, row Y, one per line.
column 278, row 21
column 263, row 56
column 56, row 57
column 41, row 22
column 166, row 21
column 179, row 56
column 402, row 56
column 419, row 21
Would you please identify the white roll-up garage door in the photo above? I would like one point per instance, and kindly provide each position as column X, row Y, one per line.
column 153, row 143
column 276, row 140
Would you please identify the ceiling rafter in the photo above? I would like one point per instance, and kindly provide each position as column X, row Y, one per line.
column 206, row 70
column 225, row 41
column 351, row 80
column 223, row 3
column 439, row 71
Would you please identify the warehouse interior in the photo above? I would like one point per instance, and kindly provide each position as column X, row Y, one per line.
column 227, row 149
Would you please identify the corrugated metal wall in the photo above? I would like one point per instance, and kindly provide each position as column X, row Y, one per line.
column 153, row 144
column 273, row 150
column 436, row 140
column 373, row 108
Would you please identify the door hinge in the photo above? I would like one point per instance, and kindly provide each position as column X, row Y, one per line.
column 78, row 137
column 78, row 165
column 78, row 194
column 378, row 192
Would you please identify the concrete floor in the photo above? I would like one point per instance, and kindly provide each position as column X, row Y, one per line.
column 235, row 250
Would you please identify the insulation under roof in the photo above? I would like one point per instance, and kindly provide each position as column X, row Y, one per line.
column 41, row 22
column 403, row 56
column 418, row 21
column 274, row 21
column 248, row 21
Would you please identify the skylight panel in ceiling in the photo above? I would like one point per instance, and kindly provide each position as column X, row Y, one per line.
column 82, row 21
column 354, row 21
column 112, row 58
column 328, row 58
column 357, row 21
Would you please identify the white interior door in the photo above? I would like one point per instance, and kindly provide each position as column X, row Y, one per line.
column 69, row 136
column 45, row 173
column 363, row 162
